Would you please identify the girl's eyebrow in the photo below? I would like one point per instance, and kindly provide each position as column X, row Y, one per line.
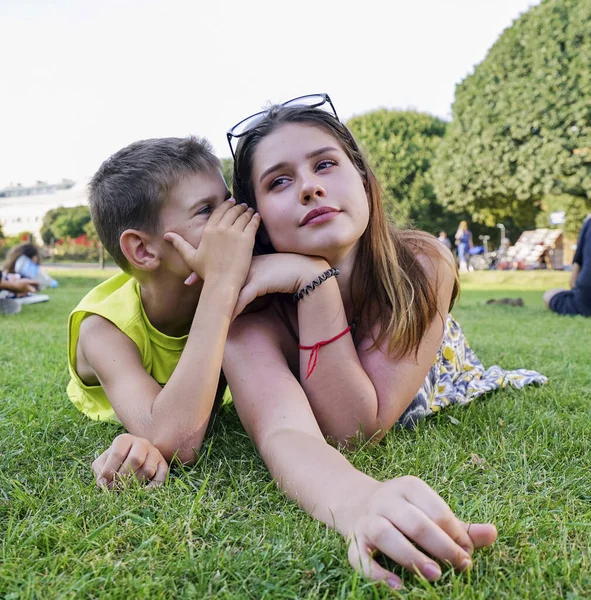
column 283, row 164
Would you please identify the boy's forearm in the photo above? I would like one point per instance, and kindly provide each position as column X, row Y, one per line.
column 181, row 411
column 341, row 393
column 318, row 477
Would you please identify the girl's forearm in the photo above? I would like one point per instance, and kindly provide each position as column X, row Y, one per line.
column 318, row 477
column 340, row 392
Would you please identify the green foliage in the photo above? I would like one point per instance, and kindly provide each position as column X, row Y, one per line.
column 575, row 208
column 228, row 171
column 400, row 146
column 521, row 127
column 61, row 223
column 90, row 231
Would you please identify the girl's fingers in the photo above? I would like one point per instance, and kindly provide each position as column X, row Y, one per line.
column 422, row 496
column 246, row 296
column 160, row 475
column 481, row 534
column 386, row 538
column 419, row 528
column 361, row 559
column 192, row 279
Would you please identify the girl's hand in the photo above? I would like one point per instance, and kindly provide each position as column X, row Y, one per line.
column 402, row 512
column 278, row 273
column 130, row 455
column 225, row 249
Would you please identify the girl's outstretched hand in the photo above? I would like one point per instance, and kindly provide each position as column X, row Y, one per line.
column 282, row 273
column 130, row 456
column 402, row 512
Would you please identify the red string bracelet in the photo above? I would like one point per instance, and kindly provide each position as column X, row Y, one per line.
column 313, row 360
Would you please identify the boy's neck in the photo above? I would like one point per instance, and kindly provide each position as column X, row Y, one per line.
column 169, row 304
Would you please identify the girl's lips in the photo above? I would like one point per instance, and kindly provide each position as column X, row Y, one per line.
column 321, row 218
column 317, row 212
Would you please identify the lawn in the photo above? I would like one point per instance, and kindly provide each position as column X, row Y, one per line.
column 222, row 530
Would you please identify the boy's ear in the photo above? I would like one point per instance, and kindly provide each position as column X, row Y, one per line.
column 140, row 249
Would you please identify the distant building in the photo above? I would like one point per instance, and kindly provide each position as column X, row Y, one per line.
column 41, row 188
column 22, row 208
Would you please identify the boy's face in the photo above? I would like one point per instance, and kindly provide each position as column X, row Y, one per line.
column 189, row 205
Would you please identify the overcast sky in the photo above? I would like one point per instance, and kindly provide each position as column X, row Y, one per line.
column 81, row 79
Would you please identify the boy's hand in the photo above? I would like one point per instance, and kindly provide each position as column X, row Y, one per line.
column 225, row 250
column 402, row 512
column 130, row 455
column 283, row 273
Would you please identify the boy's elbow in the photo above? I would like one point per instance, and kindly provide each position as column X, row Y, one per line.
column 185, row 450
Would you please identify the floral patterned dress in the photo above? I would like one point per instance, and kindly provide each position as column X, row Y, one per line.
column 457, row 377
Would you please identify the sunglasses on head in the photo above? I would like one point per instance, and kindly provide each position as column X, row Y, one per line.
column 310, row 101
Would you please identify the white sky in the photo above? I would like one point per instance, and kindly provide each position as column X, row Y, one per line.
column 81, row 79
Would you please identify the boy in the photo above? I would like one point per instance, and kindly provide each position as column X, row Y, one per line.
column 144, row 348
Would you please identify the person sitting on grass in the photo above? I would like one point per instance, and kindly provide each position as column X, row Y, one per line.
column 355, row 339
column 25, row 260
column 145, row 349
column 10, row 287
column 577, row 300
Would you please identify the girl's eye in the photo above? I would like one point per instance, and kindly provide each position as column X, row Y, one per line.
column 325, row 164
column 277, row 181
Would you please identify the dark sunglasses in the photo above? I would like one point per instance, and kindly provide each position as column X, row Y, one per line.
column 309, row 101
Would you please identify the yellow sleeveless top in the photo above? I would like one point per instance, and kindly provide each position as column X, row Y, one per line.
column 118, row 299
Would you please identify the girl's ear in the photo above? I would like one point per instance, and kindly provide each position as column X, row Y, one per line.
column 140, row 249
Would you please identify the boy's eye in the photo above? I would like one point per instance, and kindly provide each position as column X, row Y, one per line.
column 205, row 210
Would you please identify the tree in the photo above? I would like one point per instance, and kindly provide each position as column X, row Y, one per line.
column 400, row 146
column 63, row 222
column 228, row 171
column 521, row 127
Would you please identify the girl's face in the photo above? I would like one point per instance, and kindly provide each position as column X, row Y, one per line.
column 310, row 196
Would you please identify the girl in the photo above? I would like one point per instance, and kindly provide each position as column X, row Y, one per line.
column 365, row 343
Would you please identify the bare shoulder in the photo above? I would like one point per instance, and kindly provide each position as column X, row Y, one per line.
column 435, row 258
column 101, row 343
column 96, row 328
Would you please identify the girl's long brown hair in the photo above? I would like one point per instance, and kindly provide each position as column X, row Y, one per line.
column 388, row 283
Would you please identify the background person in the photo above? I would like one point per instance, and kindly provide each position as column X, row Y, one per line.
column 577, row 300
column 464, row 244
column 25, row 260
column 444, row 239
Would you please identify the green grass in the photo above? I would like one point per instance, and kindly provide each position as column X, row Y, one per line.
column 222, row 530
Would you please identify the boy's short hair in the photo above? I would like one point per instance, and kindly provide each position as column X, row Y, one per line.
column 131, row 187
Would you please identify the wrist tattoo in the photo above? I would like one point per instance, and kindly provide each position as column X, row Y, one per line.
column 315, row 283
